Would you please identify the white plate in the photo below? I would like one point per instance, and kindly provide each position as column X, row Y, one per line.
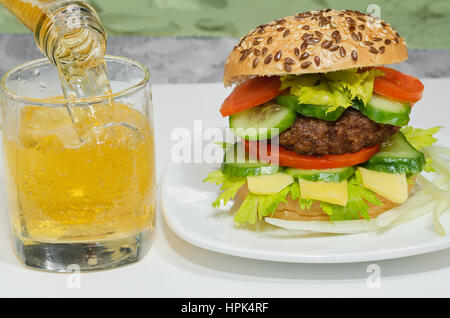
column 186, row 206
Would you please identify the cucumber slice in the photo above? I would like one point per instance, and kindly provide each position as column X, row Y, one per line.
column 236, row 162
column 316, row 111
column 385, row 111
column 397, row 156
column 258, row 123
column 327, row 175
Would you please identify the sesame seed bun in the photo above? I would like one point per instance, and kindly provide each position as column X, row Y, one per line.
column 291, row 209
column 314, row 42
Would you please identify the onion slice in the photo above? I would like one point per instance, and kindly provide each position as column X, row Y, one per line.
column 337, row 227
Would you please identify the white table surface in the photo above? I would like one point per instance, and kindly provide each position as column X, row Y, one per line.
column 174, row 268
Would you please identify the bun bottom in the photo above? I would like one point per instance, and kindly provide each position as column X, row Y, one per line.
column 291, row 209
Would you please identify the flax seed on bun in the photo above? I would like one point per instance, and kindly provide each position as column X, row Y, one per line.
column 314, row 42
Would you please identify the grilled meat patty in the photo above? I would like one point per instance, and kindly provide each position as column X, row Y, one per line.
column 350, row 133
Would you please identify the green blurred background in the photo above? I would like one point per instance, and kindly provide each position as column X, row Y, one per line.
column 425, row 24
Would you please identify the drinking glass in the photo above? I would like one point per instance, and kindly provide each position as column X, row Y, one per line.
column 80, row 173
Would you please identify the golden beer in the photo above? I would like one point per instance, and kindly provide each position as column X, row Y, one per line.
column 65, row 190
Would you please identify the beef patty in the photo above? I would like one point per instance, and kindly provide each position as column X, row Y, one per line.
column 350, row 133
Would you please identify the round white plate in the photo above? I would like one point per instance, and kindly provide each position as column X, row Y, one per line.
column 186, row 206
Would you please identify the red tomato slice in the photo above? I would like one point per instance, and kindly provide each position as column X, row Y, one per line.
column 291, row 159
column 398, row 86
column 252, row 92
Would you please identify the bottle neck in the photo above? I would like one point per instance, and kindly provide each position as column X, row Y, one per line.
column 71, row 36
column 70, row 31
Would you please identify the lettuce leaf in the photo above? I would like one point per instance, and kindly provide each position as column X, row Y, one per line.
column 333, row 89
column 305, row 204
column 315, row 89
column 357, row 205
column 420, row 138
column 255, row 207
column 230, row 184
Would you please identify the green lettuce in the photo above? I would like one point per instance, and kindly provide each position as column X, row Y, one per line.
column 420, row 138
column 357, row 204
column 230, row 185
column 255, row 206
column 305, row 204
column 333, row 89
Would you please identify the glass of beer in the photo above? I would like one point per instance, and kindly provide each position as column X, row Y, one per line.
column 80, row 173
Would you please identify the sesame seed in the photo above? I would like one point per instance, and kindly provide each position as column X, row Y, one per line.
column 387, row 42
column 286, row 33
column 381, row 49
column 342, row 51
column 354, row 55
column 264, row 51
column 268, row 59
column 296, row 52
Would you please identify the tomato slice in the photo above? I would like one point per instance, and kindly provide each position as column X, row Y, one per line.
column 398, row 86
column 291, row 159
column 252, row 92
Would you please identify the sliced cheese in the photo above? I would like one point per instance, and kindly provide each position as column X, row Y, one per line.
column 335, row 193
column 267, row 184
column 393, row 187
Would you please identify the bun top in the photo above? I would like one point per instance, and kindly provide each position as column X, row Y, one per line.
column 314, row 42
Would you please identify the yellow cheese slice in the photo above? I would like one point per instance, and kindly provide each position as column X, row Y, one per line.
column 335, row 193
column 389, row 185
column 268, row 184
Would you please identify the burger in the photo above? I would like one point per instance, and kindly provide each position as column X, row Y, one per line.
column 321, row 120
